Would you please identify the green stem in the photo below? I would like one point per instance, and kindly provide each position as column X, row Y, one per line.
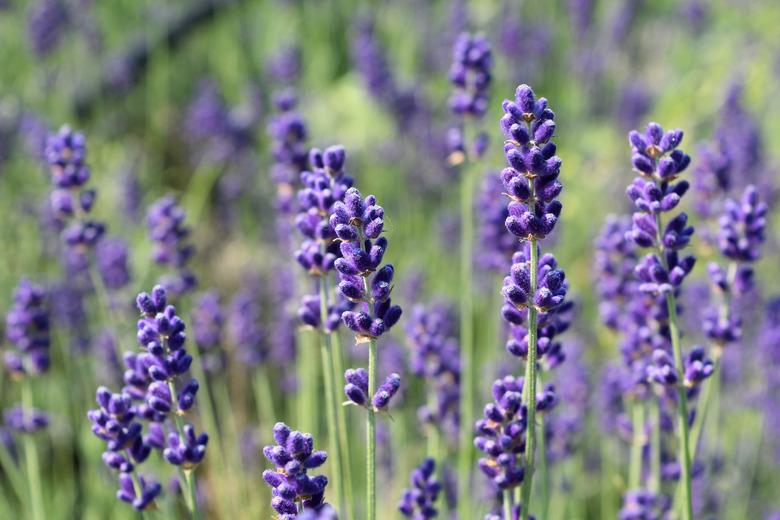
column 31, row 457
column 638, row 442
column 187, row 476
column 332, row 405
column 508, row 504
column 544, row 475
column 682, row 408
column 465, row 448
column 307, row 418
column 529, row 387
column 655, row 446
column 343, row 430
column 371, row 435
column 682, row 405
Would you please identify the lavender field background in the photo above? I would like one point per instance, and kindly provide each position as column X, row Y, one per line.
column 244, row 161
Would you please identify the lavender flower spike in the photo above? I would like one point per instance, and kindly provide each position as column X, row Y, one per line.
column 418, row 502
column 27, row 330
column 165, row 220
column 293, row 489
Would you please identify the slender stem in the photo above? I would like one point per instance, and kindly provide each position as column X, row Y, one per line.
column 682, row 405
column 371, row 436
column 31, row 457
column 307, row 417
column 655, row 446
column 508, row 504
column 188, row 476
column 638, row 442
column 343, row 430
column 330, row 396
column 529, row 387
column 544, row 475
column 261, row 386
column 465, row 449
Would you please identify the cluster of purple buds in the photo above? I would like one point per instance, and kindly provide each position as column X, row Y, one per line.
column 614, row 263
column 27, row 330
column 470, row 75
column 501, row 434
column 165, row 221
column 116, row 423
column 435, row 358
column 549, row 300
column 71, row 202
column 358, row 223
column 310, row 313
column 659, row 163
column 531, row 179
column 418, row 502
column 293, row 489
column 356, row 389
column 321, row 187
column 161, row 334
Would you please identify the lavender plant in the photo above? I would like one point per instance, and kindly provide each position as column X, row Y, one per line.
column 293, row 490
column 165, row 223
column 323, row 188
column 656, row 191
column 535, row 290
column 359, row 223
column 471, row 76
column 419, row 501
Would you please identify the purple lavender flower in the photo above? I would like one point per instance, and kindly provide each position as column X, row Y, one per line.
column 501, row 434
column 358, row 223
column 284, row 66
column 419, row 501
column 769, row 348
column 292, row 488
column 27, row 330
column 71, row 202
column 531, row 180
column 111, row 256
column 435, row 357
column 497, row 244
column 357, row 392
column 115, row 421
column 207, row 324
column 643, row 505
column 741, row 230
column 25, row 420
column 165, row 221
column 244, row 327
column 470, row 75
column 161, row 334
column 46, row 23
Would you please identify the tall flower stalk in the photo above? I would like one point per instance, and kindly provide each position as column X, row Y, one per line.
column 534, row 293
column 359, row 223
column 470, row 75
column 323, row 187
column 659, row 163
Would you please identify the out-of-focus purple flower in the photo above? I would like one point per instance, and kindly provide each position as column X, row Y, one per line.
column 741, row 228
column 769, row 349
column 35, row 133
column 634, row 102
column 27, row 330
column 293, row 489
column 419, row 501
column 643, row 505
column 284, row 66
column 623, row 20
column 471, row 76
column 582, row 14
column 207, row 324
column 25, row 420
column 244, row 325
column 47, row 21
column 165, row 222
column 435, row 357
column 562, row 428
column 71, row 202
column 497, row 244
column 111, row 255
